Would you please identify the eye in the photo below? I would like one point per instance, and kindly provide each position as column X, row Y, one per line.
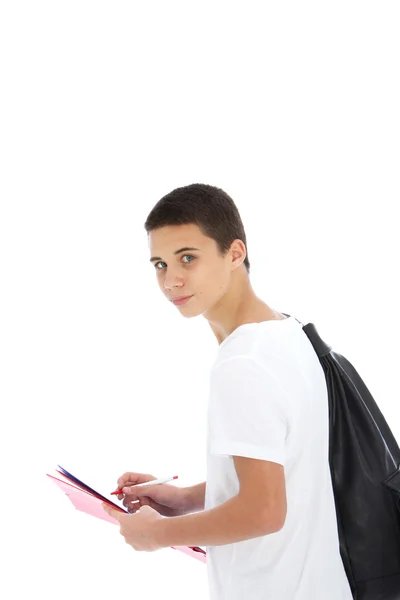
column 188, row 256
column 184, row 256
column 158, row 263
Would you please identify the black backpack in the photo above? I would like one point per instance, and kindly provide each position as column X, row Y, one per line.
column 364, row 460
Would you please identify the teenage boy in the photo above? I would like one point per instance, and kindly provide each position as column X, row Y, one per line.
column 266, row 512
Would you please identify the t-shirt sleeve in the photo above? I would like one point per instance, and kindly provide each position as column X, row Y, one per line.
column 247, row 411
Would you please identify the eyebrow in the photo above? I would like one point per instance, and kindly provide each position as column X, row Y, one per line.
column 185, row 249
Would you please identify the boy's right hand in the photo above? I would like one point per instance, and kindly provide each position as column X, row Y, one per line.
column 166, row 499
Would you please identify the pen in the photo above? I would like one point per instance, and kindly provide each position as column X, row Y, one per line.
column 147, row 483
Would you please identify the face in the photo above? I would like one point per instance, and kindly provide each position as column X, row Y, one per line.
column 200, row 272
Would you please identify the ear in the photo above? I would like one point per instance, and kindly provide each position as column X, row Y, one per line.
column 238, row 252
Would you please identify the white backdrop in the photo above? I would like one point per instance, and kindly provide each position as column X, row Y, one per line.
column 292, row 108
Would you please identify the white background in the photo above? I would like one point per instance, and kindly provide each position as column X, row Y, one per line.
column 293, row 109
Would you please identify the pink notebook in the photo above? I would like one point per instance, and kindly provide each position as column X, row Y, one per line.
column 89, row 501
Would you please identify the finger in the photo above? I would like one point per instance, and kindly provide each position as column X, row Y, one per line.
column 127, row 479
column 121, row 483
column 133, row 509
column 136, row 490
column 133, row 478
column 124, row 479
column 111, row 511
column 123, row 497
column 129, row 498
column 130, row 507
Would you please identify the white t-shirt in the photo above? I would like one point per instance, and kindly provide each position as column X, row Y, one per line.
column 268, row 400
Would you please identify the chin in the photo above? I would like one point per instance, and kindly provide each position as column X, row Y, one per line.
column 189, row 314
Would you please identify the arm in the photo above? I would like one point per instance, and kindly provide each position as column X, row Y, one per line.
column 194, row 498
column 260, row 506
column 258, row 509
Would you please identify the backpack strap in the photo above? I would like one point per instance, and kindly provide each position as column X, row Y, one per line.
column 320, row 347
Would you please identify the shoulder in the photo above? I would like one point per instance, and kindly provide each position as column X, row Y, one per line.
column 257, row 361
column 243, row 374
column 237, row 363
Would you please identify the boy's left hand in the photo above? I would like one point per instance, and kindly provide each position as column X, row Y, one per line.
column 139, row 528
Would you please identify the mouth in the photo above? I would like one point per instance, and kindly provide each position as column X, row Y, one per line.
column 181, row 300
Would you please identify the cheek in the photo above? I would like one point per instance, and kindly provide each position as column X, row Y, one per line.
column 213, row 287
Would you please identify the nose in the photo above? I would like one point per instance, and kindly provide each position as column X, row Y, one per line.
column 172, row 280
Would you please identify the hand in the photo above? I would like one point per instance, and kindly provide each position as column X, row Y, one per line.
column 167, row 500
column 139, row 529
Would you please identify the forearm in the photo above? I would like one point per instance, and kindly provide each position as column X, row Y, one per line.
column 194, row 498
column 231, row 522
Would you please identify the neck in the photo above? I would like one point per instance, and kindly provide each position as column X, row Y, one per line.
column 238, row 306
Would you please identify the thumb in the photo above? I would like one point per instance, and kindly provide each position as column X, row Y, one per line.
column 116, row 514
column 137, row 490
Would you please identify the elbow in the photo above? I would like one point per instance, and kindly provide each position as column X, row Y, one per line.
column 274, row 520
column 280, row 523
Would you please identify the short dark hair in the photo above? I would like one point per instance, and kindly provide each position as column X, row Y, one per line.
column 209, row 207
